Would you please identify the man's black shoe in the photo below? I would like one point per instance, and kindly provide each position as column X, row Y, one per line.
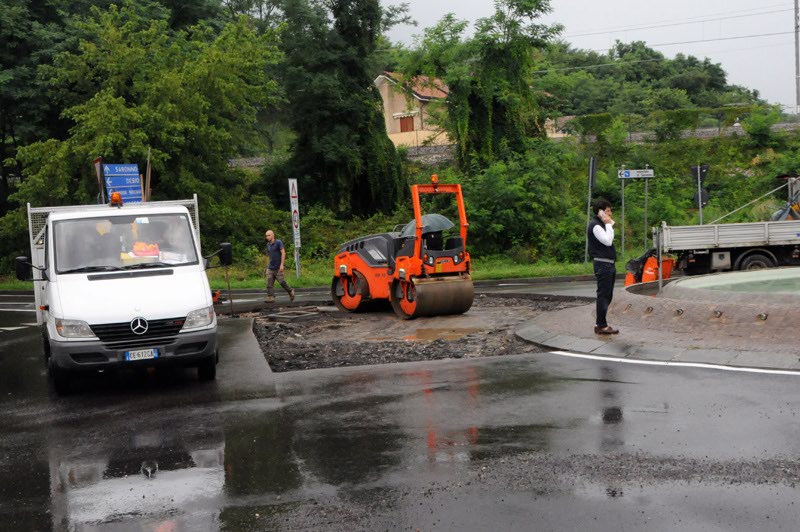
column 608, row 329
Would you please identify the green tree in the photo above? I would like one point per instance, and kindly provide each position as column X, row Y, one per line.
column 521, row 203
column 637, row 62
column 759, row 127
column 32, row 32
column 192, row 97
column 491, row 109
column 342, row 154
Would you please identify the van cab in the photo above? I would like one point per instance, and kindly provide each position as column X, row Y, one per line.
column 123, row 287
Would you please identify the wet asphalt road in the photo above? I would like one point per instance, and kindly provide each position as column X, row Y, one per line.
column 509, row 443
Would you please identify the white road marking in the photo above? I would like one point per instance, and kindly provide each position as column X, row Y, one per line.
column 678, row 364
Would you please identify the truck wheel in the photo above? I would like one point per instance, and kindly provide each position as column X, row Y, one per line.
column 207, row 369
column 756, row 261
column 696, row 270
column 59, row 378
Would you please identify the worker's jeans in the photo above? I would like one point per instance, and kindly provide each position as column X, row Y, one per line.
column 605, row 273
column 272, row 275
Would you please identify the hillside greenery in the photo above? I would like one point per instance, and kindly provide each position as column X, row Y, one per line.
column 199, row 83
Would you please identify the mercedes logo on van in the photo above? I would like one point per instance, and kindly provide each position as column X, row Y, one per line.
column 139, row 325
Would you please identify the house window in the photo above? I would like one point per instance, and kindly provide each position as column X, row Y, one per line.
column 406, row 124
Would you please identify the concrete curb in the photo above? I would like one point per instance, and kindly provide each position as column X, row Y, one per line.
column 684, row 351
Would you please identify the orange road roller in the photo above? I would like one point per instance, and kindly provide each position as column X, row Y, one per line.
column 416, row 269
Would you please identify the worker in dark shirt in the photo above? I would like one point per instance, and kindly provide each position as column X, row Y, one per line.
column 600, row 234
column 277, row 258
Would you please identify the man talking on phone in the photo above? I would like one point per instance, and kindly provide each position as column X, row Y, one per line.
column 600, row 234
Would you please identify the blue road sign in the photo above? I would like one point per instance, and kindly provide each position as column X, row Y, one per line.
column 125, row 179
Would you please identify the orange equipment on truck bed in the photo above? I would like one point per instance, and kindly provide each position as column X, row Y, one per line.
column 414, row 269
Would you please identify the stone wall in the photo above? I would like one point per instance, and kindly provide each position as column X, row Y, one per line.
column 443, row 154
column 432, row 155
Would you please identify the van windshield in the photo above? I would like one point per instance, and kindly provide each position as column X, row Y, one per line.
column 123, row 242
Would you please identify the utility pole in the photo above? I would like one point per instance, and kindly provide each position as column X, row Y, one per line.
column 700, row 191
column 797, row 57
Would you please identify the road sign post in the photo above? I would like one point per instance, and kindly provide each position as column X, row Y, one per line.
column 98, row 170
column 700, row 172
column 623, row 219
column 646, row 173
column 295, row 206
column 592, row 179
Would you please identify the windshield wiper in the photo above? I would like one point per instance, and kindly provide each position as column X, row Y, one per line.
column 85, row 269
column 143, row 265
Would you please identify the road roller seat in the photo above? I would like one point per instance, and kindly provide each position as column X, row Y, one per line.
column 433, row 241
column 454, row 242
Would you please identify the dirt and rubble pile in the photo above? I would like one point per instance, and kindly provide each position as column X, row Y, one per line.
column 336, row 339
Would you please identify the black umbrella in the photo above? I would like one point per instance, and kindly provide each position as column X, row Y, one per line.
column 430, row 224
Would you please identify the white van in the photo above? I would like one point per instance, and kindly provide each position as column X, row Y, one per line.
column 122, row 286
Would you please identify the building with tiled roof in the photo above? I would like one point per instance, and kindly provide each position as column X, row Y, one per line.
column 406, row 110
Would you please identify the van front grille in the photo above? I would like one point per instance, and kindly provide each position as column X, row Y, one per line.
column 116, row 335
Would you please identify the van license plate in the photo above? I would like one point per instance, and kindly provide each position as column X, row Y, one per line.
column 141, row 354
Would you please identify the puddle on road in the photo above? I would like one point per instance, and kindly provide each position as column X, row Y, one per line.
column 428, row 335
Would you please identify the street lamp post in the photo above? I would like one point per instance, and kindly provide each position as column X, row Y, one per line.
column 797, row 57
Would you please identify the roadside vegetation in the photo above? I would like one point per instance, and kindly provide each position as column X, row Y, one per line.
column 198, row 84
column 318, row 273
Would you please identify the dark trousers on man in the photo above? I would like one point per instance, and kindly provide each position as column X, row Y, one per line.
column 276, row 275
column 605, row 273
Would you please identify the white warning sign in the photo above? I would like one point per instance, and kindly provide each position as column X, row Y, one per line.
column 295, row 206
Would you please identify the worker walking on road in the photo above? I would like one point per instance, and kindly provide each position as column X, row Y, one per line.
column 277, row 258
column 600, row 234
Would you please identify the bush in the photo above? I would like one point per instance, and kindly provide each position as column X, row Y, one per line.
column 759, row 128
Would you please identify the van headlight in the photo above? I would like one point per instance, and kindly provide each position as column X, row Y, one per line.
column 74, row 329
column 199, row 318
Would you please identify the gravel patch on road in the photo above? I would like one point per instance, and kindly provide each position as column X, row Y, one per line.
column 337, row 339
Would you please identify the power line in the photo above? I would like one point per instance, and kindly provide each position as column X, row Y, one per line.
column 712, row 40
column 690, row 19
column 731, row 50
column 589, row 67
column 618, row 63
column 639, row 28
column 725, row 38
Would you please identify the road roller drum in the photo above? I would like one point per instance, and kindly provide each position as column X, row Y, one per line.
column 432, row 297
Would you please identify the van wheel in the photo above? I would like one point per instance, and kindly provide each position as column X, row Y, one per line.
column 59, row 379
column 756, row 261
column 207, row 369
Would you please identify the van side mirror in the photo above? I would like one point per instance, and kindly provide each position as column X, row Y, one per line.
column 225, row 254
column 23, row 268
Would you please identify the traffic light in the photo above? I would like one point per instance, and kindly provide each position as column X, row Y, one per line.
column 703, row 170
column 703, row 197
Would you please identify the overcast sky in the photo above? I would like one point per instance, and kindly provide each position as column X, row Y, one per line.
column 765, row 63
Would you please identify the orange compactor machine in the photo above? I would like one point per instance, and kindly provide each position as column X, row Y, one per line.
column 419, row 272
